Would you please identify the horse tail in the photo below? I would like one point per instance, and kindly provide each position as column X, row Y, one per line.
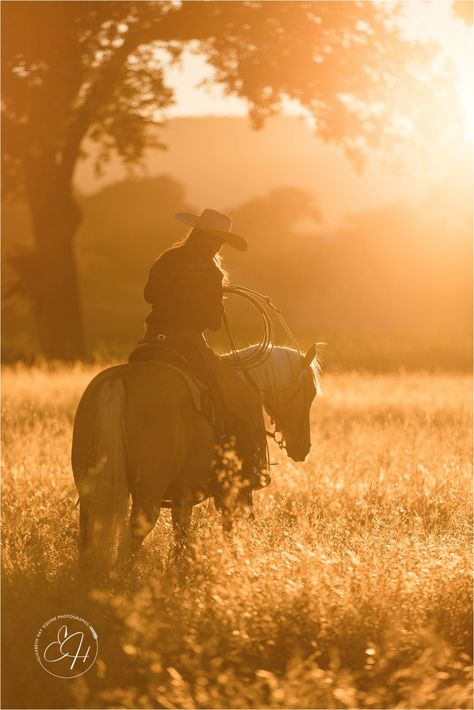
column 99, row 461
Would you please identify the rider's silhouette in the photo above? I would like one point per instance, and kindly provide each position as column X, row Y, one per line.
column 185, row 290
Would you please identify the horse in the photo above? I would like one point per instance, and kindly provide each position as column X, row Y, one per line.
column 138, row 433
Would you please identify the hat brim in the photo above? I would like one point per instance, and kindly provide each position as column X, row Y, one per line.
column 230, row 238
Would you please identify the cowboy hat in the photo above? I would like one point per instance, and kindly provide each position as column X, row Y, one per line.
column 215, row 223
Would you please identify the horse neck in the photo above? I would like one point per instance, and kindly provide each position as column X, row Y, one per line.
column 275, row 374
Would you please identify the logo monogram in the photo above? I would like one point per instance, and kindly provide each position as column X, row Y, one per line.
column 66, row 646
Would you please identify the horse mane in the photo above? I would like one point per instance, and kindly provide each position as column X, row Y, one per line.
column 280, row 368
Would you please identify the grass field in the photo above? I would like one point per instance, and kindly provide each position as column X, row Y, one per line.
column 352, row 588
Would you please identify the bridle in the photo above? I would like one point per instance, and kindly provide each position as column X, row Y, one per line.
column 281, row 442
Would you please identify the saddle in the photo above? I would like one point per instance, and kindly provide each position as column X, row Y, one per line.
column 177, row 354
column 192, row 375
column 178, row 351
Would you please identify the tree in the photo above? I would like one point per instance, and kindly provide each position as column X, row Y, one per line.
column 97, row 70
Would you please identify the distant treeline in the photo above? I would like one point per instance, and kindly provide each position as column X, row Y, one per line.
column 390, row 288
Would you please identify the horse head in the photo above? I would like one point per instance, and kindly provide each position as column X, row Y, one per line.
column 289, row 406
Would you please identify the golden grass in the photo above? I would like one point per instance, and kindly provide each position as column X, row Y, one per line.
column 352, row 589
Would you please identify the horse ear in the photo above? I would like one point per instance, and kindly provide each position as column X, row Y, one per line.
column 310, row 354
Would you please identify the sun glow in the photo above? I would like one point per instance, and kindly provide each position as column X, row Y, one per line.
column 435, row 21
column 466, row 96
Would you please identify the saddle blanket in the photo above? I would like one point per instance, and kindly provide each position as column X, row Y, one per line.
column 200, row 392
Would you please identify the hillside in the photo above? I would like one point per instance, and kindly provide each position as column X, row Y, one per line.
column 221, row 161
column 389, row 287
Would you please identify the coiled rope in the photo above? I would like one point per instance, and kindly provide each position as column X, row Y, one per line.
column 269, row 313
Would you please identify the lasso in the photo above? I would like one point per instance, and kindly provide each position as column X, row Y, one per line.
column 268, row 313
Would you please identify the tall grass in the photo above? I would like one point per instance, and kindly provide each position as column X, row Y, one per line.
column 351, row 589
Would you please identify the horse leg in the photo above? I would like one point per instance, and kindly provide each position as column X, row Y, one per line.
column 245, row 504
column 181, row 516
column 143, row 517
column 226, row 509
column 227, row 514
column 82, row 532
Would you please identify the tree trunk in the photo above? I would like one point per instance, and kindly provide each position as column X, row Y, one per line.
column 56, row 217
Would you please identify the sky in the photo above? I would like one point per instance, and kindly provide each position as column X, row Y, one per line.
column 424, row 19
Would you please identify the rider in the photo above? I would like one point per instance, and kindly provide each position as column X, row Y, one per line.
column 185, row 288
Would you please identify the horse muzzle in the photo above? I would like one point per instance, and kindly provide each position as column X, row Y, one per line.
column 298, row 453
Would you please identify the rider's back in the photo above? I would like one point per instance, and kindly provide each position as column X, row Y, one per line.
column 185, row 289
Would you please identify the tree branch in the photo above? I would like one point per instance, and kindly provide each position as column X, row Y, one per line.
column 85, row 114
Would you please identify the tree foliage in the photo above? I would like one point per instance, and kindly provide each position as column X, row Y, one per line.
column 98, row 69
